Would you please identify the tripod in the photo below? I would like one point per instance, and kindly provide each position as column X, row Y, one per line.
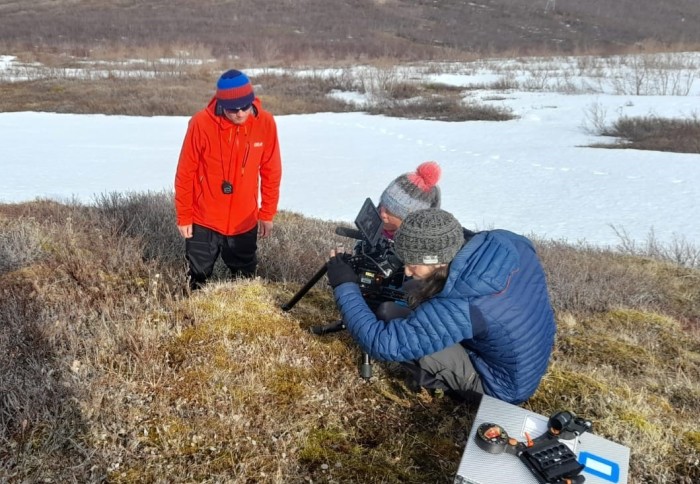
column 366, row 366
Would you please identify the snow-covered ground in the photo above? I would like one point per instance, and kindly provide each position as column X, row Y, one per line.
column 533, row 175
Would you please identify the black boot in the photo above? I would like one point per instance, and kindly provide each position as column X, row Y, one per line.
column 196, row 283
column 333, row 327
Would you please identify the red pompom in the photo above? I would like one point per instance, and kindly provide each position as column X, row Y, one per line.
column 427, row 175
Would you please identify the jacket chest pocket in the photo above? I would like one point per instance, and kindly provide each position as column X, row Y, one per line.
column 255, row 153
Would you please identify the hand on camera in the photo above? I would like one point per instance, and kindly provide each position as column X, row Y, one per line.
column 339, row 271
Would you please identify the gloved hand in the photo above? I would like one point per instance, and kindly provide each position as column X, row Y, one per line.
column 339, row 271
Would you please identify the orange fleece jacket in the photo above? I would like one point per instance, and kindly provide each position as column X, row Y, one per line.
column 247, row 156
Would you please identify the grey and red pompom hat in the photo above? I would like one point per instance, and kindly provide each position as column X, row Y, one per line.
column 413, row 191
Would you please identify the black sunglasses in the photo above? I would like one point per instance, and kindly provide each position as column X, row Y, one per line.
column 235, row 110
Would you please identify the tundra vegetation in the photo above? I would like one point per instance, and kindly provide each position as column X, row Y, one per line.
column 110, row 371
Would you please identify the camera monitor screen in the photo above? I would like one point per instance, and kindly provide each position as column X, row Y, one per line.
column 369, row 222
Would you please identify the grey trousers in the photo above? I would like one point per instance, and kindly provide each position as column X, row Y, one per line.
column 449, row 369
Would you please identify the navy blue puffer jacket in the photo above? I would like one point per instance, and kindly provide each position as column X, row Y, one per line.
column 494, row 303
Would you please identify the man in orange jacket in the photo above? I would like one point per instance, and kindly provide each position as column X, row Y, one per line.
column 227, row 181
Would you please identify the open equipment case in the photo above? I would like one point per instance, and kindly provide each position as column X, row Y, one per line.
column 602, row 461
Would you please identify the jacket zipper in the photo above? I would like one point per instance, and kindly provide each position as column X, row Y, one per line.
column 230, row 200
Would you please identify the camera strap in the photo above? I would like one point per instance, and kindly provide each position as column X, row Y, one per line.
column 224, row 172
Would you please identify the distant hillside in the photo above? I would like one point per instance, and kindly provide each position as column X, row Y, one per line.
column 343, row 29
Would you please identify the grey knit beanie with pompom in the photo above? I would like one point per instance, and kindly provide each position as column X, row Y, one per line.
column 413, row 191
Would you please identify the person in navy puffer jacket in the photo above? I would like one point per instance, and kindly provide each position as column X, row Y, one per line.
column 481, row 320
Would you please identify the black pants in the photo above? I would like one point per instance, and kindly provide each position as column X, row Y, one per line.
column 237, row 251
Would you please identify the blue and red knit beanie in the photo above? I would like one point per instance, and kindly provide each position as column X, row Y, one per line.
column 234, row 90
column 413, row 191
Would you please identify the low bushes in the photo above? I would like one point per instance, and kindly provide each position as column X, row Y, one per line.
column 111, row 370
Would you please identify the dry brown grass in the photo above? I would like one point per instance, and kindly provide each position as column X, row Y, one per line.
column 442, row 108
column 586, row 279
column 221, row 386
column 111, row 372
column 138, row 97
column 181, row 85
column 656, row 134
column 187, row 90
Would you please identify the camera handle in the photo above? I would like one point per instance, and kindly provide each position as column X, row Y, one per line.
column 366, row 367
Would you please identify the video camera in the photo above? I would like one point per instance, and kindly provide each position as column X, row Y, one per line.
column 379, row 270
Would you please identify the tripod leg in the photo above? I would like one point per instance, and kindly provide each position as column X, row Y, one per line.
column 328, row 328
column 366, row 367
column 301, row 292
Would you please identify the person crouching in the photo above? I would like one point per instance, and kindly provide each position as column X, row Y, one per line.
column 481, row 320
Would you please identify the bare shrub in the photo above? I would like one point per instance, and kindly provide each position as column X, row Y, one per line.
column 594, row 121
column 678, row 251
column 141, row 97
column 290, row 94
column 505, row 83
column 146, row 216
column 298, row 248
column 147, row 219
column 587, row 279
column 53, row 330
column 40, row 422
column 440, row 89
column 380, row 83
column 404, row 90
column 538, row 80
column 442, row 109
column 657, row 133
column 21, row 243
column 659, row 74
